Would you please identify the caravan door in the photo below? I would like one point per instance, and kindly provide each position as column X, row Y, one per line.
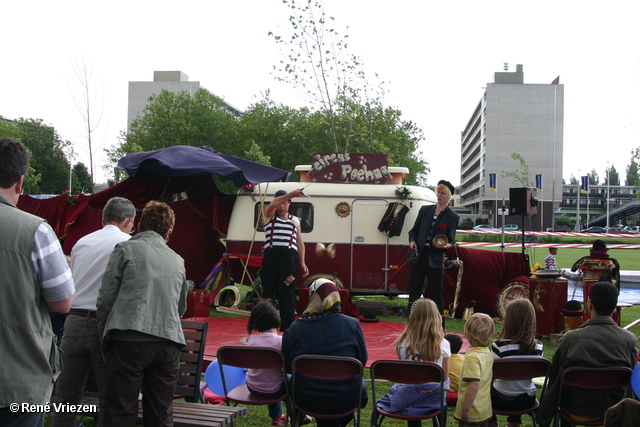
column 369, row 246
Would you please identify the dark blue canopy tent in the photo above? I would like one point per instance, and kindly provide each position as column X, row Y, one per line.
column 184, row 160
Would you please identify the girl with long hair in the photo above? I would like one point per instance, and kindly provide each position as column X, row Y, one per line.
column 422, row 339
column 517, row 338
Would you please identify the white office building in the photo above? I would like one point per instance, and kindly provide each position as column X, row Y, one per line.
column 513, row 117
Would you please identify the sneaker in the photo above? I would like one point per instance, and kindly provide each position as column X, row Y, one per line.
column 306, row 420
column 278, row 421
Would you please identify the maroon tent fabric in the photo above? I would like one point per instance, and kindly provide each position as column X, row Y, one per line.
column 485, row 274
column 200, row 219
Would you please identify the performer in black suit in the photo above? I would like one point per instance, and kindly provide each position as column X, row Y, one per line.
column 426, row 259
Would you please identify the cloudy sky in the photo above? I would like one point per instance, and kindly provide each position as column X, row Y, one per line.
column 437, row 56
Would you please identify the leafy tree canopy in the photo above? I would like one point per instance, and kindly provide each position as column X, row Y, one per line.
column 611, row 177
column 632, row 174
column 81, row 180
column 48, row 165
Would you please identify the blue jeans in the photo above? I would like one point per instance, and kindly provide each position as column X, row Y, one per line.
column 275, row 409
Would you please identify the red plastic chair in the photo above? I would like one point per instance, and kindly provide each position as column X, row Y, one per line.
column 521, row 368
column 406, row 372
column 592, row 379
column 252, row 358
column 325, row 368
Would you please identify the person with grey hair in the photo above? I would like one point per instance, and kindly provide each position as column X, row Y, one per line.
column 81, row 342
column 35, row 280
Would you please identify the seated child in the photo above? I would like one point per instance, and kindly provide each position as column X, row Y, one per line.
column 422, row 339
column 266, row 382
column 455, row 367
column 474, row 396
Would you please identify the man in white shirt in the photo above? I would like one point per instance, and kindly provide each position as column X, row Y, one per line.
column 80, row 342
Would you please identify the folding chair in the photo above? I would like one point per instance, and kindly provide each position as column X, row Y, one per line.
column 406, row 372
column 591, row 379
column 243, row 356
column 190, row 371
column 323, row 367
column 521, row 368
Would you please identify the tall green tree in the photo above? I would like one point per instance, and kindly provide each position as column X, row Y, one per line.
column 520, row 177
column 185, row 119
column 47, row 156
column 632, row 174
column 573, row 180
column 593, row 177
column 611, row 176
column 8, row 129
column 81, row 181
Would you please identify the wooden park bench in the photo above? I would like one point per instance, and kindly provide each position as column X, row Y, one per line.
column 190, row 412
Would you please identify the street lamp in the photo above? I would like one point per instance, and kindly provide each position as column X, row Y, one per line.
column 608, row 183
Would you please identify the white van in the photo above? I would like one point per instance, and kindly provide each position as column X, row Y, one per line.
column 343, row 215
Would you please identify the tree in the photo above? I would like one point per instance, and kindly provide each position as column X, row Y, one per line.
column 184, row 119
column 47, row 156
column 179, row 119
column 573, row 180
column 81, row 181
column 611, row 176
column 520, row 177
column 289, row 136
column 89, row 104
column 593, row 177
column 8, row 129
column 632, row 174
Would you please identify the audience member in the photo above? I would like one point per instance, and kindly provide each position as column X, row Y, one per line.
column 143, row 295
column 422, row 339
column 35, row 280
column 455, row 367
column 474, row 396
column 599, row 251
column 265, row 319
column 81, row 342
column 599, row 342
column 517, row 338
column 324, row 330
column 550, row 259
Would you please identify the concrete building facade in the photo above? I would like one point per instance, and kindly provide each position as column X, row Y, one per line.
column 513, row 117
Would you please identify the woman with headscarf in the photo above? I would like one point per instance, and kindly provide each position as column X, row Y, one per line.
column 426, row 258
column 324, row 330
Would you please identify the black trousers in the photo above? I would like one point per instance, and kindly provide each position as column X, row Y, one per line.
column 278, row 264
column 419, row 271
column 152, row 366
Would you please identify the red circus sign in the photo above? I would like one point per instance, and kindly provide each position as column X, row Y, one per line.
column 353, row 168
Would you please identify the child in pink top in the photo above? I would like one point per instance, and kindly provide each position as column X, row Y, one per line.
column 266, row 382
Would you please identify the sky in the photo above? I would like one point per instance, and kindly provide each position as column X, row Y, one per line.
column 436, row 56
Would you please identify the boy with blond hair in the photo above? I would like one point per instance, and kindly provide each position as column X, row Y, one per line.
column 474, row 392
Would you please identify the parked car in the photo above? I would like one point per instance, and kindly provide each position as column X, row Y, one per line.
column 594, row 229
column 619, row 228
column 633, row 229
column 484, row 227
column 510, row 227
column 562, row 229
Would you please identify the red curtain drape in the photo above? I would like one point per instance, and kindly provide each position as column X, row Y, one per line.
column 200, row 219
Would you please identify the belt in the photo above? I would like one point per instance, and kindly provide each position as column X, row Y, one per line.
column 82, row 313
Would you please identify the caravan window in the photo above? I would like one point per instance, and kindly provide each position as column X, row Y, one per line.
column 304, row 211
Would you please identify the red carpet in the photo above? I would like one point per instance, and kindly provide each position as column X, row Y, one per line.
column 379, row 336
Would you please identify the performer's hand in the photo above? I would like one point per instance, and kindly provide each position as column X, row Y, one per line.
column 413, row 246
column 297, row 193
column 305, row 270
